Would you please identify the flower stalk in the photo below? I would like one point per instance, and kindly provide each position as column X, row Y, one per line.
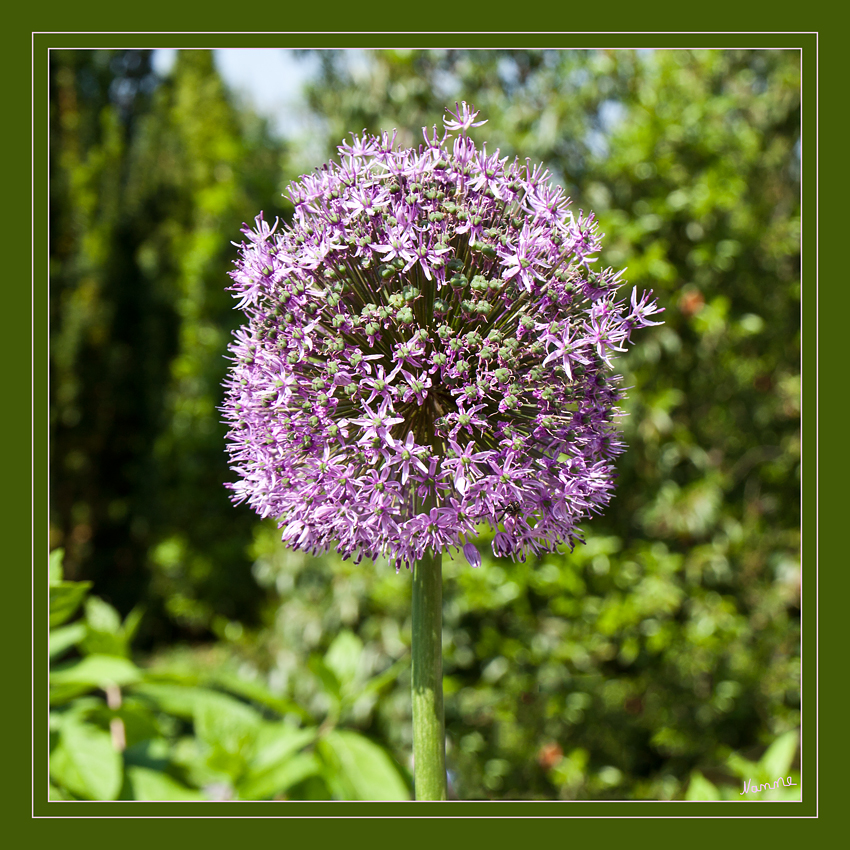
column 429, row 734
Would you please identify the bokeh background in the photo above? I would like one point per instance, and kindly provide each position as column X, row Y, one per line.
column 196, row 658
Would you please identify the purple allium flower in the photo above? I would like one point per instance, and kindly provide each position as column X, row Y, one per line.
column 427, row 348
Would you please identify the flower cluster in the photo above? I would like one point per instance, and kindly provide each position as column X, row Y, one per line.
column 427, row 349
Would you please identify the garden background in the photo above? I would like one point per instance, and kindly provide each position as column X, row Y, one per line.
column 196, row 658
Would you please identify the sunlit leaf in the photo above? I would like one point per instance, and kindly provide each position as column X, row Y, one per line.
column 147, row 784
column 96, row 671
column 361, row 768
column 85, row 762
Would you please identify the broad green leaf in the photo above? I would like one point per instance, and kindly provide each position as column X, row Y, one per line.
column 106, row 635
column 104, row 643
column 777, row 759
column 81, row 709
column 150, row 784
column 701, row 789
column 259, row 693
column 326, row 676
column 200, row 767
column 279, row 778
column 277, row 766
column 225, row 722
column 343, row 657
column 185, row 700
column 276, row 742
column 85, row 762
column 65, row 598
column 62, row 694
column 64, row 638
column 173, row 699
column 225, row 725
column 54, row 567
column 361, row 768
column 96, row 671
column 742, row 767
column 101, row 616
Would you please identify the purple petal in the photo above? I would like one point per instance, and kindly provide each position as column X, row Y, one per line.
column 472, row 555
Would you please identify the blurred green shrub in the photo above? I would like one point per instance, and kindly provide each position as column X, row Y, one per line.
column 150, row 180
column 179, row 732
column 610, row 673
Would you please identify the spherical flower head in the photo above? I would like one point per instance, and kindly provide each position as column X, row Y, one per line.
column 428, row 348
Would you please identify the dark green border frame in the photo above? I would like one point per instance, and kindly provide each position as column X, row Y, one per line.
column 41, row 43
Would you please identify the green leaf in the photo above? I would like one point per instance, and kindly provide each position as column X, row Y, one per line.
column 106, row 634
column 101, row 616
column 700, row 788
column 53, row 793
column 65, row 598
column 741, row 767
column 61, row 694
column 96, row 671
column 326, row 676
column 64, row 638
column 132, row 622
column 277, row 742
column 54, row 568
column 147, row 784
column 277, row 765
column 343, row 657
column 224, row 722
column 173, row 699
column 360, row 769
column 777, row 759
column 85, row 762
column 279, row 778
column 259, row 693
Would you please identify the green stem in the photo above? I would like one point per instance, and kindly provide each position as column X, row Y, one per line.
column 429, row 728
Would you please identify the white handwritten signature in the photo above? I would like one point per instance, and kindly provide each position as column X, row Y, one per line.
column 751, row 788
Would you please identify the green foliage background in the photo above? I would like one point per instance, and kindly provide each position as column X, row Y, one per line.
column 651, row 663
